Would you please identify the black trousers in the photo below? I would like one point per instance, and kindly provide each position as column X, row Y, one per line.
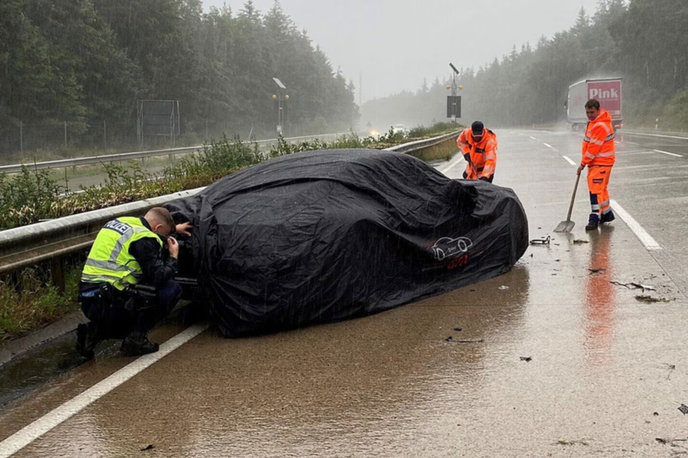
column 118, row 313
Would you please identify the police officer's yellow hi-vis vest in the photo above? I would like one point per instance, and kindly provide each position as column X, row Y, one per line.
column 109, row 260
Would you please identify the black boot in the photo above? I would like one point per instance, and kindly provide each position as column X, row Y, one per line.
column 593, row 222
column 87, row 338
column 137, row 344
column 607, row 217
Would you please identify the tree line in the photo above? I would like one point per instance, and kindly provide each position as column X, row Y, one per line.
column 642, row 41
column 80, row 66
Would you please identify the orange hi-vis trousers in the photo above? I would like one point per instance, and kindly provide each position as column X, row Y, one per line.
column 598, row 180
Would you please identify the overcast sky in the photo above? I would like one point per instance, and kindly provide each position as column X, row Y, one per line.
column 392, row 45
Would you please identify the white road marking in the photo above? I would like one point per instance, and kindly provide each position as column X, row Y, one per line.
column 635, row 227
column 458, row 158
column 569, row 160
column 655, row 135
column 33, row 431
column 534, row 138
column 547, row 145
column 666, row 152
column 631, row 152
column 645, row 238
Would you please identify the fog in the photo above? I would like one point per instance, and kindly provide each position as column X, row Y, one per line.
column 386, row 46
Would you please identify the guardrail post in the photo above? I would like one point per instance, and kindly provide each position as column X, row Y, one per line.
column 57, row 273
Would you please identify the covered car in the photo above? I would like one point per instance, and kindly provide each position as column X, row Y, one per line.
column 323, row 236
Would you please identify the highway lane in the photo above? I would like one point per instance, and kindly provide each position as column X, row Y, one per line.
column 650, row 180
column 552, row 359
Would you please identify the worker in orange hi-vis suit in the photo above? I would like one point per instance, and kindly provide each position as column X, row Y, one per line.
column 479, row 148
column 599, row 156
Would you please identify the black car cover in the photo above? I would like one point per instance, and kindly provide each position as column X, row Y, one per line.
column 323, row 236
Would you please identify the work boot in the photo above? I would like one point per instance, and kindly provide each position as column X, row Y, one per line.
column 86, row 339
column 137, row 344
column 593, row 222
column 607, row 217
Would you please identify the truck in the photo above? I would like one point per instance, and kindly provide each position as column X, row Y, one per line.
column 606, row 90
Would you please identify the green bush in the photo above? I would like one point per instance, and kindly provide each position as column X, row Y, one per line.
column 28, row 303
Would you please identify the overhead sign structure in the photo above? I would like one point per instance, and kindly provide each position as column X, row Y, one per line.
column 454, row 100
column 280, row 99
column 158, row 118
column 279, row 83
column 453, row 106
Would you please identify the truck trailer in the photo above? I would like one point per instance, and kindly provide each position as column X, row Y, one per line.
column 606, row 90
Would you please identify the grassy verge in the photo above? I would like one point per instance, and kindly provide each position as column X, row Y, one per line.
column 440, row 152
column 28, row 303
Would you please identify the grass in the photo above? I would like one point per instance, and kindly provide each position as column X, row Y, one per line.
column 440, row 152
column 27, row 302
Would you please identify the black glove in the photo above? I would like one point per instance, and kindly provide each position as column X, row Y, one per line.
column 467, row 157
column 484, row 179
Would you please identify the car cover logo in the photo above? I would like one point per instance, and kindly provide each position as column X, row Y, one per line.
column 447, row 247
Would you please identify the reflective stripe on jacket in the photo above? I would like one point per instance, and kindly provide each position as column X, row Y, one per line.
column 483, row 154
column 109, row 259
column 598, row 144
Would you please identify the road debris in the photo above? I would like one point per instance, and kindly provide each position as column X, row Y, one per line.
column 651, row 300
column 673, row 443
column 148, row 447
column 503, row 288
column 451, row 339
column 458, row 328
column 526, row 358
column 671, row 368
column 580, row 442
column 683, row 409
column 579, row 242
column 541, row 241
column 635, row 285
column 596, row 271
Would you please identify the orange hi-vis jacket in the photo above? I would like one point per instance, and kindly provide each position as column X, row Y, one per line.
column 598, row 144
column 483, row 154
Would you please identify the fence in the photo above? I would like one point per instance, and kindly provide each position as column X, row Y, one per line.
column 25, row 141
column 26, row 137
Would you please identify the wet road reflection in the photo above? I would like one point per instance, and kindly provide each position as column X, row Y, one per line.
column 600, row 298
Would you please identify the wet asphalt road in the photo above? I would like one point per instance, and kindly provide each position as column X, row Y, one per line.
column 551, row 359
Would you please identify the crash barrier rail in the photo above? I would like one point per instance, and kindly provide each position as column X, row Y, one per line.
column 422, row 144
column 74, row 162
column 50, row 241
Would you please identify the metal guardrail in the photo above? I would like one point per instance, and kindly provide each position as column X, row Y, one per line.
column 422, row 144
column 51, row 240
column 74, row 162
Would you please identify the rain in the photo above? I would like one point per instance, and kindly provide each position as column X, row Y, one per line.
column 362, row 276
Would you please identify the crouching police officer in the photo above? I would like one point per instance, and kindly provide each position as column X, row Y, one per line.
column 127, row 285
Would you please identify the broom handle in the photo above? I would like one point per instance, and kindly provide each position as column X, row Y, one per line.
column 573, row 197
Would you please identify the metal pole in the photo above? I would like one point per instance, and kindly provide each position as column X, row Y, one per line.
column 65, row 129
column 104, row 135
column 21, row 137
column 280, row 115
column 57, row 271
